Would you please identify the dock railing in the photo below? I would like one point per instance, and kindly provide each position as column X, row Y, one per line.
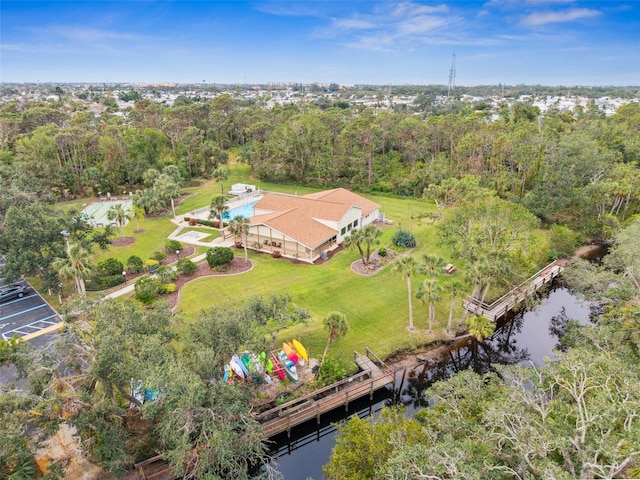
column 506, row 302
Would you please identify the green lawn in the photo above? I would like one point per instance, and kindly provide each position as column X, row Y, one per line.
column 376, row 306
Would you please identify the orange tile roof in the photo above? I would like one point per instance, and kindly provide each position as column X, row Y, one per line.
column 295, row 216
column 345, row 197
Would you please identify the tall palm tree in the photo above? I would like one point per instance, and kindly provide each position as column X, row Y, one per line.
column 430, row 292
column 407, row 266
column 138, row 214
column 239, row 226
column 453, row 290
column 76, row 266
column 336, row 324
column 354, row 239
column 168, row 189
column 433, row 264
column 118, row 214
column 220, row 174
column 370, row 235
column 218, row 208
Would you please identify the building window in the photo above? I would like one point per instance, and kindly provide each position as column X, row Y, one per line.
column 343, row 231
column 349, row 227
column 355, row 223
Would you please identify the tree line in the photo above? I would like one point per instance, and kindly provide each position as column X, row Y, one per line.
column 579, row 168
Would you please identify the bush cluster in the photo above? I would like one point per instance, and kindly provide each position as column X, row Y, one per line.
column 218, row 257
column 186, row 266
column 403, row 238
column 135, row 264
column 172, row 246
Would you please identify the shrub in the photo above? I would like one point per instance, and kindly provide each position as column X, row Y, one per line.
column 159, row 256
column 219, row 256
column 382, row 252
column 166, row 274
column 403, row 238
column 111, row 266
column 167, row 288
column 332, row 370
column 102, row 282
column 172, row 246
column 135, row 264
column 147, row 289
column 152, row 265
column 186, row 266
column 276, row 254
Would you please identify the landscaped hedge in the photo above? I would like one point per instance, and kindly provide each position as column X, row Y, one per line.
column 206, row 223
column 102, row 282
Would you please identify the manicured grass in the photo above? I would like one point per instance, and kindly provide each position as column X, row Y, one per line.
column 212, row 234
column 376, row 306
column 153, row 238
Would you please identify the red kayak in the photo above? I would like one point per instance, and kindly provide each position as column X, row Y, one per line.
column 277, row 367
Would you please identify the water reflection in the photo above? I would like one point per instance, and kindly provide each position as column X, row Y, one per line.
column 526, row 338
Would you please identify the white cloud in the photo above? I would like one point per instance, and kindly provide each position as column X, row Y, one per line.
column 84, row 34
column 411, row 9
column 543, row 18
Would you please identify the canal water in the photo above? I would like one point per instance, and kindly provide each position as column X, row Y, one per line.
column 525, row 338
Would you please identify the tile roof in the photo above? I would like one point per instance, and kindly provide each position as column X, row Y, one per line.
column 345, row 197
column 296, row 216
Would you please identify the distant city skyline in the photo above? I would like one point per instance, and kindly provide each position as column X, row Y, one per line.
column 546, row 42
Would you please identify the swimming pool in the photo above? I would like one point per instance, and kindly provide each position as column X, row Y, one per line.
column 245, row 210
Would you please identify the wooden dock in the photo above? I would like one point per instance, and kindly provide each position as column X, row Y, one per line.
column 514, row 297
column 373, row 376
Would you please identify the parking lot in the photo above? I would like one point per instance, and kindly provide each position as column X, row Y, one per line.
column 29, row 314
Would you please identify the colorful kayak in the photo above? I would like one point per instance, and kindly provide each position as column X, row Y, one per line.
column 241, row 364
column 299, row 357
column 290, row 352
column 227, row 373
column 289, row 366
column 279, row 369
column 235, row 366
column 247, row 360
column 302, row 352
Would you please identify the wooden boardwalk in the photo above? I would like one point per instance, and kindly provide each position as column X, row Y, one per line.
column 373, row 376
column 510, row 300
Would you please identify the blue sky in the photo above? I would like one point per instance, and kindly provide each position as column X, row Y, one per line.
column 548, row 42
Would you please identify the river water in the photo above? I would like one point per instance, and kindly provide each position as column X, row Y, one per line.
column 526, row 338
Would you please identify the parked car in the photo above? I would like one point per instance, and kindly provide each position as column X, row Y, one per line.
column 9, row 292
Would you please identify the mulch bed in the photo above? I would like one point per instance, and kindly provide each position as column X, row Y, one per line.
column 172, row 257
column 237, row 265
column 376, row 262
column 122, row 242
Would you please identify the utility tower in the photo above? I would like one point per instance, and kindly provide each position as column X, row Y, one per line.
column 452, row 76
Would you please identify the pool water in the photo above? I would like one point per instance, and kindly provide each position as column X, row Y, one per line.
column 245, row 210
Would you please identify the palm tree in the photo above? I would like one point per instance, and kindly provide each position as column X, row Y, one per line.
column 453, row 290
column 239, row 226
column 370, row 235
column 408, row 266
column 480, row 327
column 168, row 189
column 219, row 207
column 433, row 264
column 76, row 265
column 336, row 324
column 354, row 239
column 220, row 174
column 430, row 292
column 118, row 214
column 138, row 214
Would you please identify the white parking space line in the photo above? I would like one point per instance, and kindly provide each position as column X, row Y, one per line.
column 26, row 297
column 24, row 311
column 46, row 321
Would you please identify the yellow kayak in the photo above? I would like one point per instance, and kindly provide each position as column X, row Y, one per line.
column 302, row 352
